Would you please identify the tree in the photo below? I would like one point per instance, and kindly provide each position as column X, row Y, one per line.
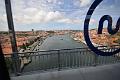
column 23, row 46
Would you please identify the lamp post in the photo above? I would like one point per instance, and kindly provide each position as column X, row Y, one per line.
column 15, row 56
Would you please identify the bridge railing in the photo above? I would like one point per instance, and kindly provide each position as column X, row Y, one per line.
column 60, row 59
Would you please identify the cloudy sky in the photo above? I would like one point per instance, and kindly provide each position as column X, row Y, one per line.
column 56, row 14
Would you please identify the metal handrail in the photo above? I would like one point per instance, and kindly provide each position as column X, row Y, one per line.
column 64, row 58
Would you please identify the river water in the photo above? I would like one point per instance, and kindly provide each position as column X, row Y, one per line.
column 60, row 42
column 67, row 58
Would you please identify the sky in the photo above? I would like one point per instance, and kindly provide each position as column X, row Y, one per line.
column 56, row 14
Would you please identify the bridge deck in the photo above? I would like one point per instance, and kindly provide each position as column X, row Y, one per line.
column 105, row 72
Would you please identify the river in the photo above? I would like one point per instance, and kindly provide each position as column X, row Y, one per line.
column 68, row 58
column 60, row 42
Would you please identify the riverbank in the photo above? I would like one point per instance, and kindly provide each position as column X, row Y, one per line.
column 25, row 60
column 83, row 41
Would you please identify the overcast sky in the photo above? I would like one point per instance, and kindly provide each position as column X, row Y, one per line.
column 56, row 14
